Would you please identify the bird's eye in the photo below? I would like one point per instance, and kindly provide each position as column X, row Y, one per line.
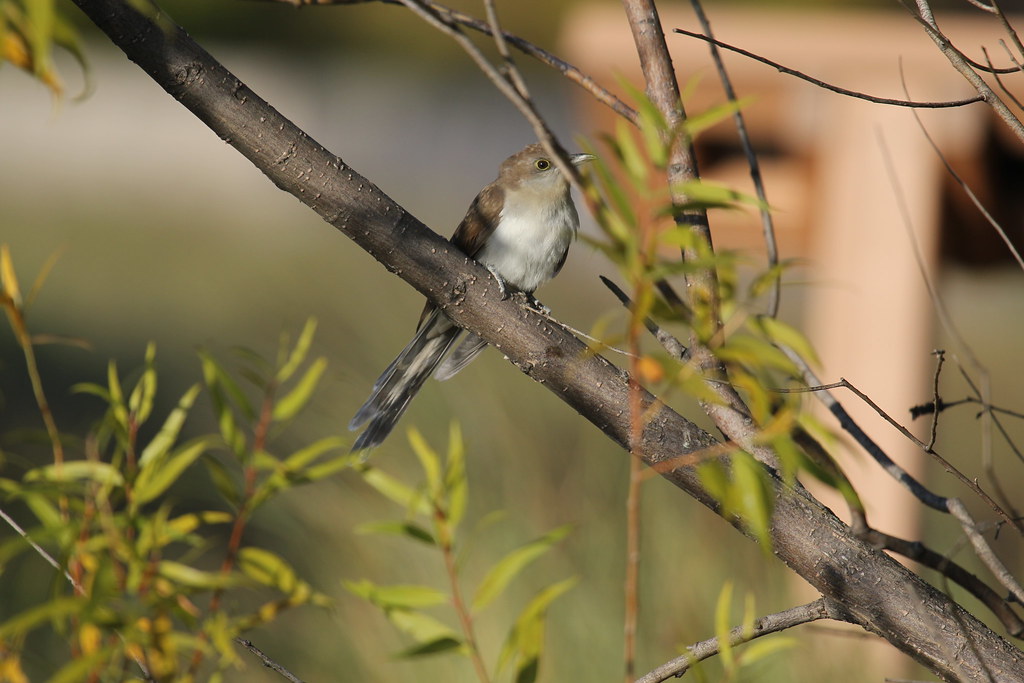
column 542, row 164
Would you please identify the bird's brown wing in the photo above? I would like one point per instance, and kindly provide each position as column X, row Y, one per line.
column 480, row 221
column 478, row 225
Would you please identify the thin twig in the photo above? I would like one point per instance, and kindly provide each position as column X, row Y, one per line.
column 960, row 62
column 772, row 623
column 767, row 222
column 928, row 408
column 673, row 346
column 267, row 661
column 459, row 605
column 984, row 551
column 42, row 552
column 999, row 81
column 947, row 322
column 850, row 426
column 829, row 86
column 931, row 499
column 1010, row 31
column 511, row 71
column 525, row 106
column 940, row 357
column 965, row 187
column 568, row 70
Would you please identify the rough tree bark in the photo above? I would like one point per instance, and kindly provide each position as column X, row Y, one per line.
column 869, row 588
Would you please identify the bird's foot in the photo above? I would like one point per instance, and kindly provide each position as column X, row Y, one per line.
column 536, row 305
column 502, row 289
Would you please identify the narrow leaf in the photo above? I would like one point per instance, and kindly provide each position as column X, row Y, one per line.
column 268, row 568
column 786, row 335
column 191, row 577
column 289, row 405
column 525, row 640
column 432, row 647
column 398, row 528
column 395, row 491
column 8, row 279
column 299, row 352
column 165, row 438
column 510, row 566
column 397, row 596
column 158, row 476
column 78, row 470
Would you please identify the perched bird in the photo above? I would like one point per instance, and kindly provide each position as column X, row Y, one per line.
column 519, row 227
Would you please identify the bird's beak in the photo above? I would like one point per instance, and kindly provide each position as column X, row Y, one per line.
column 578, row 159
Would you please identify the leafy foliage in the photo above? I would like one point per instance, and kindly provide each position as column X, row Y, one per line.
column 29, row 32
column 434, row 511
column 648, row 232
column 145, row 590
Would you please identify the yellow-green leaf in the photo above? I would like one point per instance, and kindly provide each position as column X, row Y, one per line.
column 510, row 566
column 298, row 353
column 191, row 577
column 786, row 335
column 432, row 647
column 723, row 609
column 400, row 596
column 397, row 528
column 8, row 278
column 525, row 640
column 268, row 568
column 429, row 461
column 165, row 438
column 158, row 475
column 289, row 405
column 78, row 470
column 421, row 627
column 395, row 491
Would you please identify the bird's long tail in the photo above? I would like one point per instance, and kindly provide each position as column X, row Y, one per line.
column 402, row 379
column 465, row 352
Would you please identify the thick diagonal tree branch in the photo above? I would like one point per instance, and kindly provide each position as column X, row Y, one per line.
column 877, row 593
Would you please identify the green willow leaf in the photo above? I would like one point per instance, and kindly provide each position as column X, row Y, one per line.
column 298, row 353
column 78, row 470
column 168, row 433
column 161, row 473
column 289, row 405
column 509, row 567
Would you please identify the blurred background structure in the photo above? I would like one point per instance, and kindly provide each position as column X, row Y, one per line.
column 167, row 234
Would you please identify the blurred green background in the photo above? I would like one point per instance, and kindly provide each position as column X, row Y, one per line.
column 167, row 234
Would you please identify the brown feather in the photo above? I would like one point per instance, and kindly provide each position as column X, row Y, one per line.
column 480, row 221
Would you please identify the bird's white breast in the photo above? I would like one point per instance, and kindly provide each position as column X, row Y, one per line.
column 533, row 233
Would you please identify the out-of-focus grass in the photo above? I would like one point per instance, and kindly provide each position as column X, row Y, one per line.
column 168, row 234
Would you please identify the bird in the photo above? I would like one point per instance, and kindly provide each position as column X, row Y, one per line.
column 519, row 227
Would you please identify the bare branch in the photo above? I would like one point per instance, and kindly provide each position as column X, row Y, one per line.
column 850, row 426
column 947, row 322
column 940, row 357
column 951, row 505
column 267, row 661
column 999, row 81
column 829, row 86
column 767, row 222
column 960, row 62
column 983, row 550
column 673, row 346
column 571, row 72
column 967, row 190
column 821, row 608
